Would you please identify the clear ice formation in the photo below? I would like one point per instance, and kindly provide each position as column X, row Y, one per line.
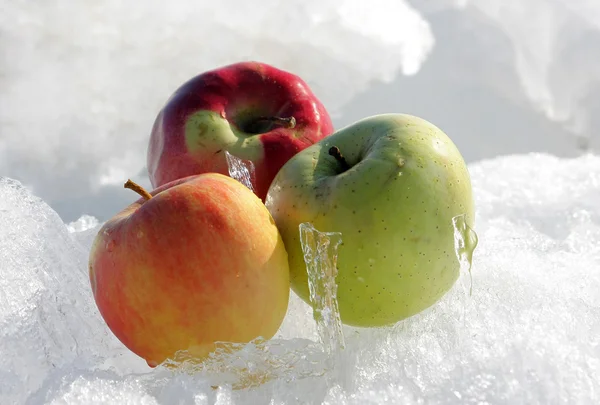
column 241, row 170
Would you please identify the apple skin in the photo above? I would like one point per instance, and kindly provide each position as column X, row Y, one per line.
column 199, row 262
column 208, row 115
column 393, row 207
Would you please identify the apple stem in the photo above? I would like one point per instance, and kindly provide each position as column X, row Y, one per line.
column 337, row 154
column 138, row 189
column 258, row 125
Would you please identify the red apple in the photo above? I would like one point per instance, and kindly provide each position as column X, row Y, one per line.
column 198, row 260
column 252, row 110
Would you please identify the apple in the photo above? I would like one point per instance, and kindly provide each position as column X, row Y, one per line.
column 198, row 260
column 252, row 110
column 391, row 185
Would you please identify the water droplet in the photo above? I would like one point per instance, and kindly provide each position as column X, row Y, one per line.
column 110, row 245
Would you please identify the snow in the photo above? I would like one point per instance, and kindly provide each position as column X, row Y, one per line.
column 528, row 333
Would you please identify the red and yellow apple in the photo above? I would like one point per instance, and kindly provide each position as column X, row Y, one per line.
column 252, row 110
column 197, row 261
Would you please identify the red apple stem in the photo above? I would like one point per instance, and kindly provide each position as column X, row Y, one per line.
column 285, row 122
column 337, row 154
column 265, row 124
column 138, row 189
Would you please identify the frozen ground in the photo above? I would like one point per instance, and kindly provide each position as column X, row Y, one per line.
column 528, row 334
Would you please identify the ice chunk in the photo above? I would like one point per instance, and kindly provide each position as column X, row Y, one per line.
column 243, row 366
column 320, row 256
column 241, row 170
column 465, row 242
column 555, row 46
column 320, row 250
column 48, row 321
column 541, row 32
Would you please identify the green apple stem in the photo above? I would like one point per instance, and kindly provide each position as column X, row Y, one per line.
column 138, row 189
column 337, row 154
column 265, row 124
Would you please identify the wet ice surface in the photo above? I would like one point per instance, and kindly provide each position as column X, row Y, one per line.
column 320, row 255
column 241, row 170
column 528, row 333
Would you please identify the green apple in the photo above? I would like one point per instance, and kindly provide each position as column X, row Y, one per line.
column 391, row 185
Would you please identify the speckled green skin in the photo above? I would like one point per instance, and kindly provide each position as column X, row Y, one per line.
column 394, row 208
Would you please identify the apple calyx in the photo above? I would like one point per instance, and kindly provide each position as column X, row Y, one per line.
column 138, row 189
column 337, row 154
column 261, row 125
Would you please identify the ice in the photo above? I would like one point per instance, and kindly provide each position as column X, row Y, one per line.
column 241, row 170
column 540, row 52
column 82, row 81
column 465, row 242
column 528, row 333
column 320, row 255
column 555, row 42
column 49, row 326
